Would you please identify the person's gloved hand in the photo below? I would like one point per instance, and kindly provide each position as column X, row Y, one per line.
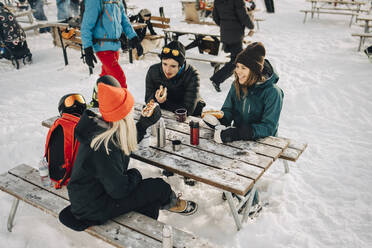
column 230, row 134
column 146, row 122
column 90, row 59
column 211, row 121
column 135, row 43
column 134, row 175
column 123, row 42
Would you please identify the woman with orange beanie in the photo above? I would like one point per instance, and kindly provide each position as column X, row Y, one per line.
column 101, row 186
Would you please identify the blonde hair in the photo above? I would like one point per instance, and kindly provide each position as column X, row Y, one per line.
column 122, row 133
column 251, row 80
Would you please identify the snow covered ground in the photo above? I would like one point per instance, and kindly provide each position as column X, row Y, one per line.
column 325, row 200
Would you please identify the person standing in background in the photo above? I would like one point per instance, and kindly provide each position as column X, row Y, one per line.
column 101, row 29
column 233, row 18
column 74, row 7
column 63, row 9
column 38, row 12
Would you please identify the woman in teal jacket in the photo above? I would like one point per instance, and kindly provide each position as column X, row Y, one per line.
column 254, row 101
column 103, row 23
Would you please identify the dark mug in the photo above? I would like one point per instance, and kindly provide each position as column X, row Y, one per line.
column 176, row 145
column 181, row 114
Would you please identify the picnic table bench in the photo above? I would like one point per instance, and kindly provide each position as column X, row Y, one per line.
column 317, row 11
column 26, row 24
column 346, row 7
column 362, row 38
column 129, row 230
column 232, row 168
column 367, row 20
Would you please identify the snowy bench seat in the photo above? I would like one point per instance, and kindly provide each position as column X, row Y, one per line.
column 129, row 230
column 362, row 38
column 352, row 14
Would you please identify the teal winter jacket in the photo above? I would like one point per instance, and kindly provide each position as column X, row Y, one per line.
column 110, row 26
column 260, row 108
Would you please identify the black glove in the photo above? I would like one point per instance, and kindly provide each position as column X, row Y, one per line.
column 231, row 134
column 90, row 59
column 123, row 42
column 134, row 176
column 135, row 43
column 144, row 122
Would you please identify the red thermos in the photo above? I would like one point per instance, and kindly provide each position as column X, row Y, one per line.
column 194, row 133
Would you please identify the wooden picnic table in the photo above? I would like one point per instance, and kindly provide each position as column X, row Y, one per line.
column 210, row 33
column 346, row 5
column 174, row 34
column 366, row 20
column 233, row 168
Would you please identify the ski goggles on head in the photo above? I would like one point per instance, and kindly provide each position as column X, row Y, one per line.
column 167, row 50
column 70, row 100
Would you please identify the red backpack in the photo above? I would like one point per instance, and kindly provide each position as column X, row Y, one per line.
column 61, row 148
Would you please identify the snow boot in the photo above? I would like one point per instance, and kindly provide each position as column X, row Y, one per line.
column 184, row 207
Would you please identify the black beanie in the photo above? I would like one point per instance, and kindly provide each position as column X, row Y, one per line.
column 109, row 80
column 106, row 79
column 174, row 45
column 253, row 57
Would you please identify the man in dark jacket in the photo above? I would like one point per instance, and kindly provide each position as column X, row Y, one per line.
column 144, row 16
column 232, row 17
column 179, row 79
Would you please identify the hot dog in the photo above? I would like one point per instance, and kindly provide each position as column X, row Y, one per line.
column 217, row 113
column 149, row 109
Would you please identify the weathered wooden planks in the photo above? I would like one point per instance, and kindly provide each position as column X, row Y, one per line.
column 221, row 151
column 133, row 220
column 207, row 133
column 222, row 179
column 113, row 233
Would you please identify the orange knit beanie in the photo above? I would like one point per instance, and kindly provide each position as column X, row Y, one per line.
column 114, row 103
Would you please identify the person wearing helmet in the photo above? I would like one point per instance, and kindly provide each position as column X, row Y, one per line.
column 72, row 103
column 101, row 186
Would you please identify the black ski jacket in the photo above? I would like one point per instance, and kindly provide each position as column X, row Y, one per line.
column 183, row 89
column 98, row 178
column 232, row 17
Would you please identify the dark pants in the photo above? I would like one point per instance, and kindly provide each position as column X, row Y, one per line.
column 39, row 14
column 228, row 69
column 149, row 196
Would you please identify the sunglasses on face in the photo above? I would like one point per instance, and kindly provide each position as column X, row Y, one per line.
column 70, row 100
column 167, row 50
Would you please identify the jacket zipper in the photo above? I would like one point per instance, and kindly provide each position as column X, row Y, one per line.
column 249, row 106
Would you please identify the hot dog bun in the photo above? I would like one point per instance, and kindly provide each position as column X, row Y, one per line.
column 217, row 113
column 163, row 91
column 149, row 109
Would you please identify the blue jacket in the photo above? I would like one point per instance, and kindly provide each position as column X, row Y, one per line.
column 110, row 26
column 260, row 108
